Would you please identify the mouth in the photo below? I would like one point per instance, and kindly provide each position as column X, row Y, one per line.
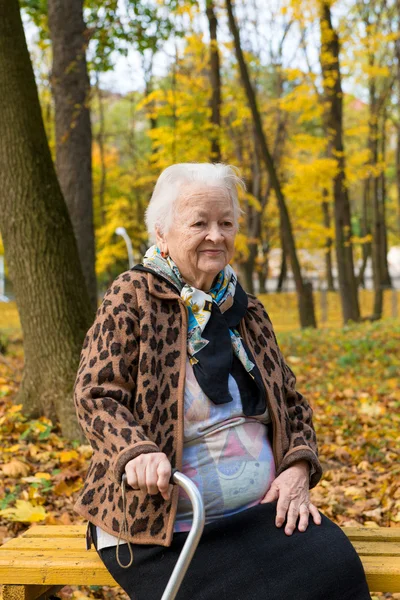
column 212, row 252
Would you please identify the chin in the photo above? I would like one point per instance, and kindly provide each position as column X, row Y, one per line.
column 213, row 267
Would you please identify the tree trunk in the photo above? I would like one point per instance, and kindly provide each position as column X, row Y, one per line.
column 333, row 121
column 253, row 218
column 376, row 220
column 386, row 279
column 376, row 247
column 397, row 52
column 40, row 246
column 365, row 230
column 398, row 174
column 215, row 80
column 329, row 242
column 283, row 269
column 101, row 144
column 263, row 273
column 71, row 90
column 304, row 290
column 148, row 81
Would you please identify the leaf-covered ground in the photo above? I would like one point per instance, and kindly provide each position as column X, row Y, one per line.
column 349, row 375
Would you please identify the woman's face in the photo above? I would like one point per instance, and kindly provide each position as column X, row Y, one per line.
column 202, row 235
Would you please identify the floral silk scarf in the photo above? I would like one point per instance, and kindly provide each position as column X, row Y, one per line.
column 215, row 347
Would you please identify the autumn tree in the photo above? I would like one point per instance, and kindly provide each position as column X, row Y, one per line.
column 374, row 21
column 269, row 79
column 39, row 242
column 333, row 120
column 303, row 288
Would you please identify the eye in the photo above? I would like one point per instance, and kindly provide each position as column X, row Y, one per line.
column 198, row 224
column 228, row 224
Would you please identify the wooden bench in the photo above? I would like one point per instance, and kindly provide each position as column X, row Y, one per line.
column 38, row 563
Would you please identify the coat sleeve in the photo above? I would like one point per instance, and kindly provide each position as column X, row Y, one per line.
column 104, row 389
column 303, row 441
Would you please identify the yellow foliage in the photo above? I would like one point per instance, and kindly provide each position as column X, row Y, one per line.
column 252, row 201
column 361, row 239
column 24, row 511
column 41, row 475
column 310, row 144
column 303, row 102
column 68, row 455
column 64, row 488
column 241, row 246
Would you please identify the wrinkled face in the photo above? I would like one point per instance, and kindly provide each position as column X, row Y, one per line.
column 201, row 238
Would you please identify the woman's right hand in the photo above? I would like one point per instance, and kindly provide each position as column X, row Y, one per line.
column 150, row 473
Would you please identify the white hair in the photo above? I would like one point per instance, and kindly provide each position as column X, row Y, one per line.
column 160, row 210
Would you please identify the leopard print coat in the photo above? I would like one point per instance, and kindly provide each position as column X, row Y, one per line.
column 129, row 399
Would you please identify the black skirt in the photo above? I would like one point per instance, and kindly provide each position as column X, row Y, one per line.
column 246, row 557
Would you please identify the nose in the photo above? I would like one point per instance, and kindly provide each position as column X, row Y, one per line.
column 215, row 234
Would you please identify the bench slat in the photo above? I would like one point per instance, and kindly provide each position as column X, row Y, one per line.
column 383, row 574
column 86, row 568
column 83, row 568
column 373, row 534
column 52, row 554
column 46, row 544
column 377, row 548
column 74, row 545
column 354, row 533
column 55, row 531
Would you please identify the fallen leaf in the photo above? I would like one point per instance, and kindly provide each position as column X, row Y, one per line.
column 294, row 359
column 65, row 489
column 370, row 524
column 42, row 475
column 15, row 468
column 68, row 455
column 25, row 512
column 375, row 513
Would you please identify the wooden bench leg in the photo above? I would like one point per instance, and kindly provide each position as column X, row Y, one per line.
column 29, row 592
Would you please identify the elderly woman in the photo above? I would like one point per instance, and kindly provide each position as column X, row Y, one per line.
column 181, row 368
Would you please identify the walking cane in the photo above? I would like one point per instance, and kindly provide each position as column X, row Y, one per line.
column 193, row 538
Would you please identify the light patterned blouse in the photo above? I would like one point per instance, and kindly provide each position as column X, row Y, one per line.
column 226, row 454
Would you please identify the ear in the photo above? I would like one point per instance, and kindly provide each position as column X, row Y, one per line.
column 161, row 241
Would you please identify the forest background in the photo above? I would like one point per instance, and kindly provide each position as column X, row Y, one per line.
column 302, row 97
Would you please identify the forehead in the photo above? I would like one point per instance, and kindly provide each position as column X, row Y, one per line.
column 195, row 196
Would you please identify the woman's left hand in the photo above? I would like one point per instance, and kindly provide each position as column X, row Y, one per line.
column 291, row 489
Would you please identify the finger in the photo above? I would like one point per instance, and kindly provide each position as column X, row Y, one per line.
column 292, row 516
column 315, row 514
column 151, row 477
column 281, row 509
column 131, row 479
column 141, row 476
column 304, row 516
column 163, row 477
column 271, row 495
